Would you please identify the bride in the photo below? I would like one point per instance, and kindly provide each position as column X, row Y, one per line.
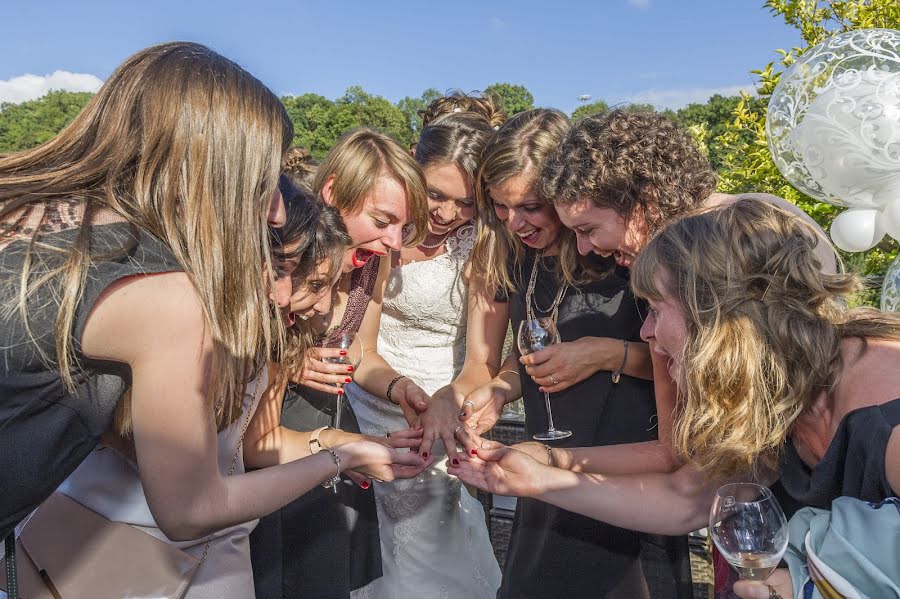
column 421, row 347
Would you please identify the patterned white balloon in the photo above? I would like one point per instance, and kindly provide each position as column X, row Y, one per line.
column 833, row 123
column 890, row 288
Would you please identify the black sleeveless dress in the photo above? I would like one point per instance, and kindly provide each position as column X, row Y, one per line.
column 324, row 543
column 554, row 552
column 45, row 430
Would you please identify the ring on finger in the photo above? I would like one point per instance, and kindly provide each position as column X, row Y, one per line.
column 553, row 380
column 469, row 403
column 458, row 428
column 773, row 594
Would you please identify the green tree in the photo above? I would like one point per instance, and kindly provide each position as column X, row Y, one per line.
column 747, row 164
column 31, row 123
column 586, row 110
column 716, row 114
column 512, row 98
column 410, row 108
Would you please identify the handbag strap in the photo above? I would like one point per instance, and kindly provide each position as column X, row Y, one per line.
column 237, row 451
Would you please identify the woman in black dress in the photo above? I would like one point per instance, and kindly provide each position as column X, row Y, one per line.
column 524, row 253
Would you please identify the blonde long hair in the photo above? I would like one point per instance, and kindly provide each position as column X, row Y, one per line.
column 356, row 162
column 764, row 328
column 186, row 145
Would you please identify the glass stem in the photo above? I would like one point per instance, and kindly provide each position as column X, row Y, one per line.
column 549, row 412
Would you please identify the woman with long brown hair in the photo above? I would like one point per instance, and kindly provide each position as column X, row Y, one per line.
column 125, row 249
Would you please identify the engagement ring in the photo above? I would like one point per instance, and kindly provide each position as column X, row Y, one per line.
column 469, row 403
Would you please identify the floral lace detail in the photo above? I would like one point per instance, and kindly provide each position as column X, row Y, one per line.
column 423, row 335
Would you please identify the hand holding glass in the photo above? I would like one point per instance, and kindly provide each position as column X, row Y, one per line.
column 535, row 335
column 749, row 528
column 339, row 341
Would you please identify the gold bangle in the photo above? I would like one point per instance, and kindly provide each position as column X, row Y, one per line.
column 515, row 372
column 315, row 446
column 618, row 373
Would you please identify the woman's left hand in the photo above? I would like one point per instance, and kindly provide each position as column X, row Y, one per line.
column 779, row 584
column 561, row 365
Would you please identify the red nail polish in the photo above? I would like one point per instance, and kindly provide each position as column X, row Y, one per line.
column 455, row 462
column 473, row 452
column 365, row 484
column 348, row 380
column 340, row 391
column 424, row 455
column 349, row 369
column 343, row 353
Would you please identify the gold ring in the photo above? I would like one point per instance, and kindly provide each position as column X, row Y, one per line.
column 773, row 594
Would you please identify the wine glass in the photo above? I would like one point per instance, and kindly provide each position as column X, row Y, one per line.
column 535, row 335
column 342, row 341
column 749, row 528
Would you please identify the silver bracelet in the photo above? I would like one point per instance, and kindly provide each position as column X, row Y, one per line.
column 337, row 464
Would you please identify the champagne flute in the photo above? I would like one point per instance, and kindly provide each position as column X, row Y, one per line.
column 749, row 528
column 535, row 335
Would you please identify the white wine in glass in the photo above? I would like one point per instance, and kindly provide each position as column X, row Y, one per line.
column 535, row 335
column 749, row 529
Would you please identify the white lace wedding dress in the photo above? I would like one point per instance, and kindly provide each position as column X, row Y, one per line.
column 434, row 542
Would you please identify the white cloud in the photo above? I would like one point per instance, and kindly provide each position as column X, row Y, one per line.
column 497, row 24
column 31, row 87
column 677, row 98
column 639, row 3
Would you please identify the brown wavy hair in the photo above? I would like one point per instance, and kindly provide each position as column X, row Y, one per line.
column 186, row 145
column 764, row 328
column 458, row 101
column 300, row 167
column 630, row 161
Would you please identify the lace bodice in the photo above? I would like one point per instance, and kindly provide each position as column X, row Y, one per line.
column 423, row 320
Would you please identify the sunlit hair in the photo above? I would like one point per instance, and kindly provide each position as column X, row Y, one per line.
column 300, row 167
column 313, row 234
column 358, row 159
column 630, row 162
column 518, row 148
column 458, row 101
column 764, row 327
column 186, row 145
column 458, row 138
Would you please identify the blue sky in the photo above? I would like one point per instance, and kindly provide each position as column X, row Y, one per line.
column 666, row 52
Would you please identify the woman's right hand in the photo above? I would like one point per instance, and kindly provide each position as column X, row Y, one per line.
column 320, row 375
column 411, row 398
column 481, row 410
column 379, row 462
column 501, row 470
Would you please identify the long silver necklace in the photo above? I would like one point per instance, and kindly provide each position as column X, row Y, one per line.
column 553, row 310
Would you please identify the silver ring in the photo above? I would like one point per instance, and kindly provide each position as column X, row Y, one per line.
column 553, row 380
column 457, row 429
column 470, row 403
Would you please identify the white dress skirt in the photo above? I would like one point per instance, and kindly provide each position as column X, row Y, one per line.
column 434, row 542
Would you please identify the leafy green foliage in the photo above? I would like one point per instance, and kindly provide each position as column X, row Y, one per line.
column 31, row 123
column 745, row 159
column 586, row 110
column 512, row 98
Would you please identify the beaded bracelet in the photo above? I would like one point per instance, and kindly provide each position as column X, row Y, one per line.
column 391, row 387
column 337, row 464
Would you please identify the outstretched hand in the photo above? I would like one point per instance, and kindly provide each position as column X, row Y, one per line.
column 441, row 421
column 376, row 461
column 501, row 470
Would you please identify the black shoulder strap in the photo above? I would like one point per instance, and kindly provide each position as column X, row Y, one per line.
column 891, row 411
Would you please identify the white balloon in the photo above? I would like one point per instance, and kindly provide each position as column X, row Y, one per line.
column 833, row 122
column 890, row 288
column 857, row 229
column 891, row 219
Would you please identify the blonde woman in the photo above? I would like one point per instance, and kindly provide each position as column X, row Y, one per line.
column 524, row 251
column 777, row 380
column 119, row 245
column 326, row 544
column 426, row 329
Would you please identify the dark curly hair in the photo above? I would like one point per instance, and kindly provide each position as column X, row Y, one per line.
column 628, row 161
